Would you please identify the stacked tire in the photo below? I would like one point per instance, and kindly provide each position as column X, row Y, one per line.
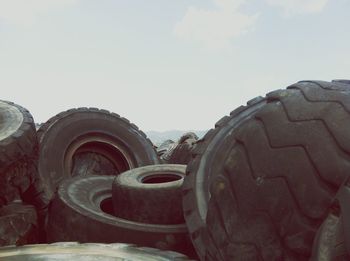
column 261, row 185
column 262, row 182
column 18, row 154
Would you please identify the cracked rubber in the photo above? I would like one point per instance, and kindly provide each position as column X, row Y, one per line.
column 82, row 211
column 87, row 252
column 18, row 224
column 150, row 194
column 18, row 151
column 261, row 183
column 59, row 134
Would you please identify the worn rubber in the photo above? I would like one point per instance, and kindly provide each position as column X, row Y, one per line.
column 158, row 202
column 18, row 151
column 18, row 224
column 76, row 214
column 164, row 147
column 61, row 131
column 182, row 152
column 261, row 183
column 87, row 252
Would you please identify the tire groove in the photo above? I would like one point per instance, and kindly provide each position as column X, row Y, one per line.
column 300, row 212
column 321, row 181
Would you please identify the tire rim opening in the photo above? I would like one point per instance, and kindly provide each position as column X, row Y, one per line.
column 160, row 178
column 95, row 156
column 106, row 206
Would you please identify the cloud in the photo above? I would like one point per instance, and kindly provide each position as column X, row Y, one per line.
column 299, row 6
column 215, row 29
column 24, row 12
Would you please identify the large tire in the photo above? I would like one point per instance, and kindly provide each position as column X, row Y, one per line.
column 18, row 151
column 18, row 224
column 82, row 211
column 183, row 151
column 150, row 194
column 329, row 244
column 164, row 147
column 261, row 182
column 86, row 252
column 90, row 141
column 180, row 151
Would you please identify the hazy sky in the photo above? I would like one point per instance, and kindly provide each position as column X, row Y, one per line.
column 166, row 64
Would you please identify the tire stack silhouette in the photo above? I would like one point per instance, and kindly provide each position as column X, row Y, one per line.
column 259, row 186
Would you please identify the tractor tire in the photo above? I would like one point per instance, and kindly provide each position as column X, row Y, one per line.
column 261, row 183
column 89, row 141
column 18, row 224
column 82, row 210
column 150, row 194
column 18, row 151
column 182, row 153
column 86, row 252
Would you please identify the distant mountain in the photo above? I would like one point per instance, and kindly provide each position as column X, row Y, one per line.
column 157, row 137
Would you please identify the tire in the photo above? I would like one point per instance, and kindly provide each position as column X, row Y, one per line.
column 181, row 152
column 329, row 244
column 18, row 151
column 86, row 252
column 88, row 141
column 261, row 182
column 18, row 224
column 82, row 211
column 150, row 194
column 164, row 147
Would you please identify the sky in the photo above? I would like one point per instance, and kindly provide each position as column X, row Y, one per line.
column 166, row 64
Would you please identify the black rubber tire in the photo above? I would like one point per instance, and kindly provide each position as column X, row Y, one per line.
column 76, row 214
column 182, row 154
column 150, row 194
column 18, row 151
column 164, row 147
column 86, row 252
column 329, row 242
column 109, row 144
column 18, row 224
column 261, row 182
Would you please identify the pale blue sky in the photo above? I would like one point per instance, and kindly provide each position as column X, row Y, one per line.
column 166, row 64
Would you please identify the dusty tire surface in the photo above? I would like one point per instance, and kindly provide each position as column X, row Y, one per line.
column 82, row 211
column 18, row 224
column 86, row 252
column 329, row 244
column 89, row 141
column 150, row 194
column 261, row 183
column 18, row 151
column 182, row 153
column 164, row 147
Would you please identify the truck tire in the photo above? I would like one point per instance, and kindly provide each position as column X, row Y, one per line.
column 18, row 151
column 86, row 252
column 261, row 182
column 182, row 152
column 164, row 147
column 88, row 141
column 82, row 211
column 150, row 194
column 18, row 224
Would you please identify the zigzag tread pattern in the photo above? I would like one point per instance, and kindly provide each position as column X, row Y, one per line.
column 280, row 204
column 194, row 222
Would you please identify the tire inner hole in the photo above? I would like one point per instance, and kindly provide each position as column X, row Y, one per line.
column 97, row 158
column 106, row 206
column 160, row 178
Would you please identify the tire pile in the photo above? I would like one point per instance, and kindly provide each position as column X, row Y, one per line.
column 261, row 185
